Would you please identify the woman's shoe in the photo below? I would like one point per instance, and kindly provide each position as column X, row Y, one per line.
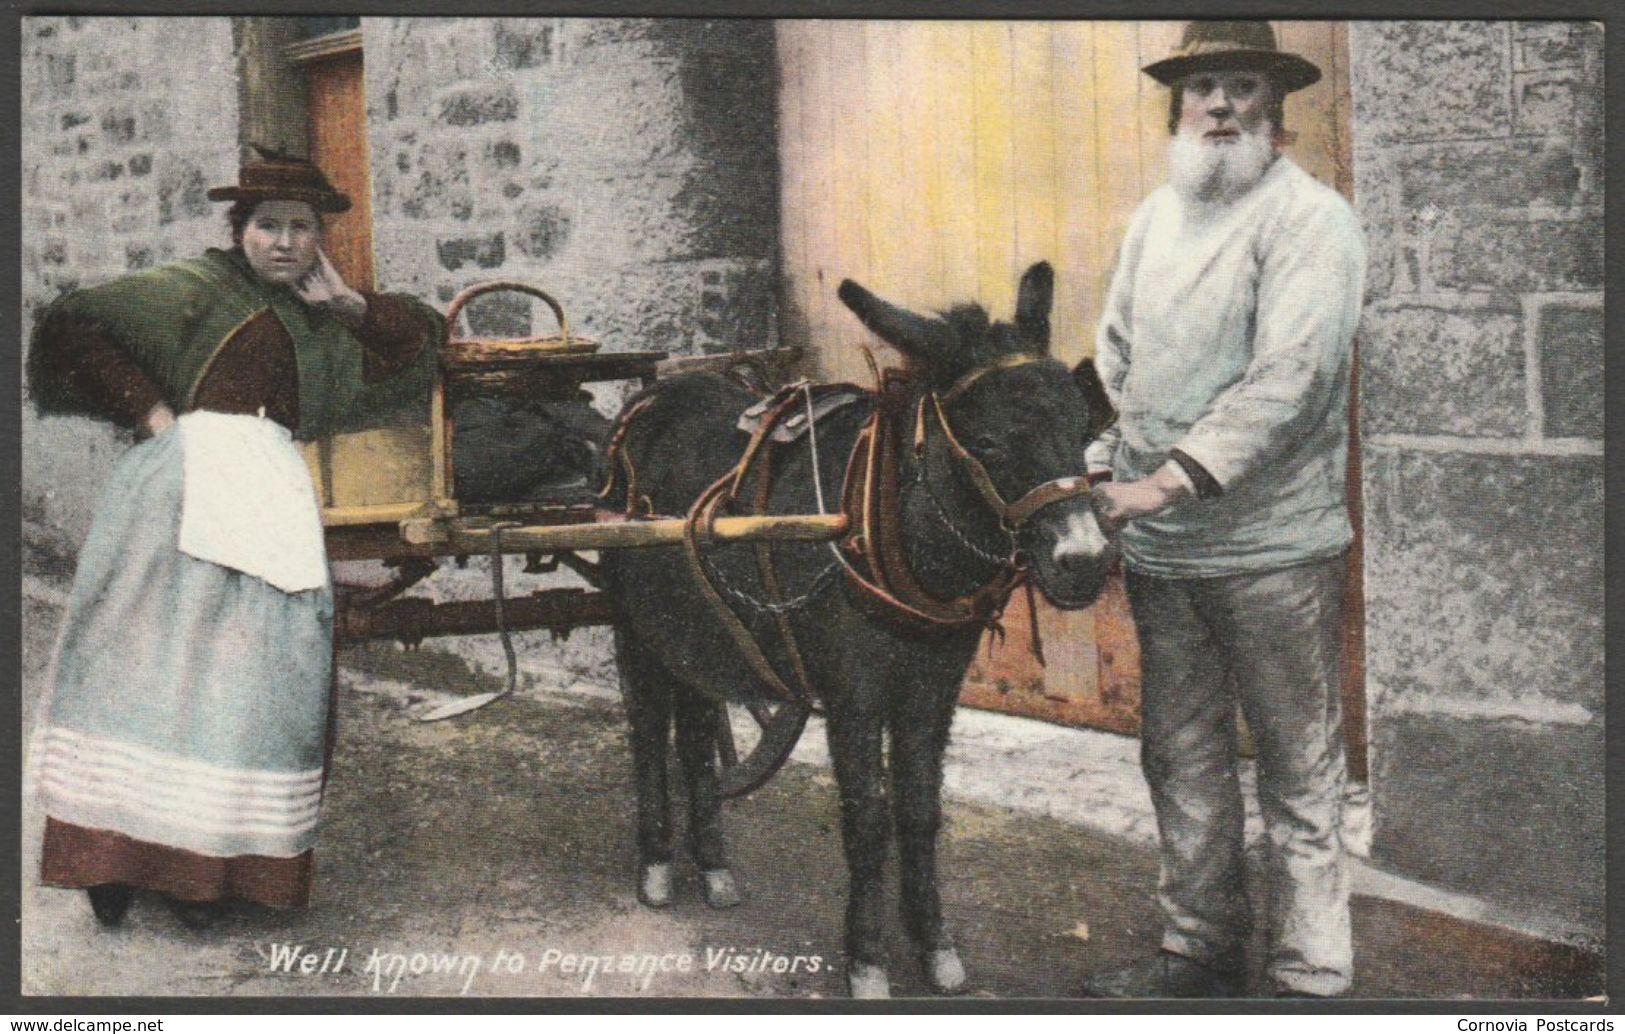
column 196, row 915
column 110, row 901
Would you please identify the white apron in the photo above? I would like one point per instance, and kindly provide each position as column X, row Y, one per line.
column 248, row 502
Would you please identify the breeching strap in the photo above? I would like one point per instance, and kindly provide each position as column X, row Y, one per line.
column 619, row 461
column 770, row 574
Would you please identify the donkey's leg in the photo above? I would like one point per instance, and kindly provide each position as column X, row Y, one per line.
column 698, row 718
column 920, row 718
column 856, row 734
column 646, row 689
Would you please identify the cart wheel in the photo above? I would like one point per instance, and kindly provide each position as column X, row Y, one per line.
column 754, row 740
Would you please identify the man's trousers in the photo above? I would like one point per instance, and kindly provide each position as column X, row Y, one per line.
column 1271, row 642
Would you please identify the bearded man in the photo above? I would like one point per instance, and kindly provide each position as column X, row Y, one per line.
column 1225, row 345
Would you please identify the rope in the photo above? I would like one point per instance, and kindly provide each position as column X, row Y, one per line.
column 817, row 477
column 467, row 705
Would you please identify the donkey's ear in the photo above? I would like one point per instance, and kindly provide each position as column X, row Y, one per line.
column 1101, row 412
column 918, row 337
column 1033, row 303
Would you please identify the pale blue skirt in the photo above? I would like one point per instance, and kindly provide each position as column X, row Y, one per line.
column 190, row 705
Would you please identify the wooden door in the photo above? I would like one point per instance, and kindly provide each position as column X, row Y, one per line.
column 933, row 162
column 338, row 145
column 382, row 474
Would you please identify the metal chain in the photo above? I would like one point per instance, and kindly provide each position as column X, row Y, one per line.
column 822, row 578
column 953, row 529
column 820, row 581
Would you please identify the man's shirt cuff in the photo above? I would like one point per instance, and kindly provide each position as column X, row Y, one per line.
column 1196, row 477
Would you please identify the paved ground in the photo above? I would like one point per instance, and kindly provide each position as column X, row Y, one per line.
column 464, row 845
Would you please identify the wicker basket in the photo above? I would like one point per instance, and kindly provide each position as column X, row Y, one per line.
column 468, row 353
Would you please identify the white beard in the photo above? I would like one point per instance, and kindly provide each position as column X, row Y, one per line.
column 1204, row 172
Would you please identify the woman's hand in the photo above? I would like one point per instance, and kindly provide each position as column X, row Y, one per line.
column 324, row 286
column 158, row 420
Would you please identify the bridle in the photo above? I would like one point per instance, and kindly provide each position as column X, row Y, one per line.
column 873, row 551
column 1012, row 516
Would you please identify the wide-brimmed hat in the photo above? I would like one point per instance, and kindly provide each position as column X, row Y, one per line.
column 281, row 177
column 1210, row 46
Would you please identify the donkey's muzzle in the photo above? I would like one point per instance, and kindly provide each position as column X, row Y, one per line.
column 1071, row 556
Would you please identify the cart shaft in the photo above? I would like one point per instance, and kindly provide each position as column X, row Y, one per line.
column 457, row 537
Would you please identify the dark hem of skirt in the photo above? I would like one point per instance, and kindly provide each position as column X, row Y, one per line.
column 76, row 857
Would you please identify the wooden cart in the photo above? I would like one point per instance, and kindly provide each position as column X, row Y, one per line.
column 390, row 495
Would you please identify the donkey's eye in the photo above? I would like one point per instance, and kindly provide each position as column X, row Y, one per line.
column 986, row 444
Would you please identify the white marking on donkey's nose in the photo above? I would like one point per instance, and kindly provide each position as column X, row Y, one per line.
column 1081, row 539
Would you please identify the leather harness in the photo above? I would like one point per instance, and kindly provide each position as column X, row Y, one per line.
column 871, row 552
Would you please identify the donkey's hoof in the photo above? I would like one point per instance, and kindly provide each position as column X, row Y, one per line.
column 866, row 981
column 654, row 884
column 943, row 969
column 721, row 889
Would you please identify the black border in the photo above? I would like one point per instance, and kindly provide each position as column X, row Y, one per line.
column 1614, row 475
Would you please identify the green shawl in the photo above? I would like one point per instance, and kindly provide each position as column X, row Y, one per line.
column 173, row 319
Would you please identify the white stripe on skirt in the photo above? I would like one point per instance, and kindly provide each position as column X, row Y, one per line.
column 104, row 783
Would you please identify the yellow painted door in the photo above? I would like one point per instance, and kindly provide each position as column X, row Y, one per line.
column 933, row 162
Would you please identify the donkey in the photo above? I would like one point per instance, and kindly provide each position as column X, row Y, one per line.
column 1024, row 421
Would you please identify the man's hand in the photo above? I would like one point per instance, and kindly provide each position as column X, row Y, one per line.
column 324, row 286
column 158, row 420
column 1118, row 502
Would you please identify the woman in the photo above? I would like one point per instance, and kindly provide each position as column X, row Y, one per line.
column 184, row 747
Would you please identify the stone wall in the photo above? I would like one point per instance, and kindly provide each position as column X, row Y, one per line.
column 120, row 140
column 626, row 166
column 1479, row 177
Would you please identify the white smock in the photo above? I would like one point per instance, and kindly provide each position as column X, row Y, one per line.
column 248, row 501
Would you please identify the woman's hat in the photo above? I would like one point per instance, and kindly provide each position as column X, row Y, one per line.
column 282, row 177
column 1210, row 46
